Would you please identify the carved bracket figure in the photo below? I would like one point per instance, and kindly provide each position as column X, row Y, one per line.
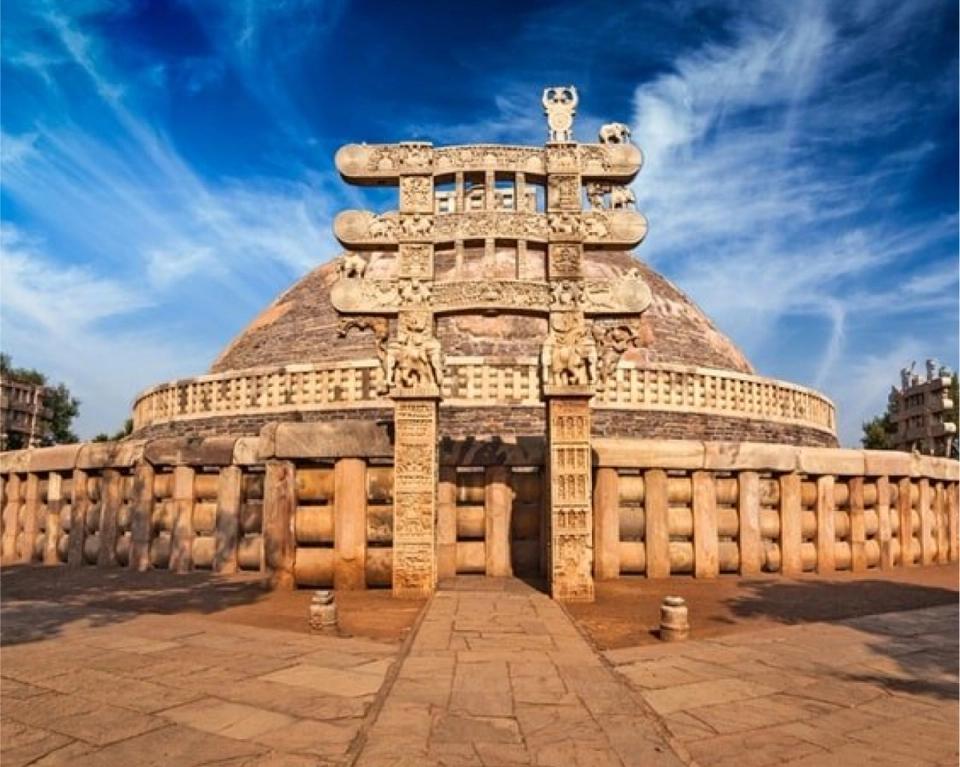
column 613, row 341
column 414, row 359
column 614, row 133
column 380, row 327
column 569, row 356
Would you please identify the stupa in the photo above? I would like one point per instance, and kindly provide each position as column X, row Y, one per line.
column 486, row 381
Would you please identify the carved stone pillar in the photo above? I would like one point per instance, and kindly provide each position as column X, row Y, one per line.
column 571, row 504
column 414, row 494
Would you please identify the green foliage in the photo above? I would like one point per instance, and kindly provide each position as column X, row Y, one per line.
column 125, row 431
column 63, row 406
column 876, row 433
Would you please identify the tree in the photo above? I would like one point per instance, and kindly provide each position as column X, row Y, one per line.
column 125, row 431
column 63, row 406
column 876, row 433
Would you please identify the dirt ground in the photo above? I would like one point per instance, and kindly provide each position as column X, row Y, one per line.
column 242, row 599
column 626, row 611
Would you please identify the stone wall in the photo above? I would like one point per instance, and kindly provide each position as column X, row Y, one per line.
column 311, row 504
column 651, row 424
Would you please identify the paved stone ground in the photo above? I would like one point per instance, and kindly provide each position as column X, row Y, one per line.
column 878, row 690
column 184, row 690
column 498, row 675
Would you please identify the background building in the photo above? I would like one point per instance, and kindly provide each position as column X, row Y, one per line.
column 24, row 416
column 920, row 409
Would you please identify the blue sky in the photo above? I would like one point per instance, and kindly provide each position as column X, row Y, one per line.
column 167, row 167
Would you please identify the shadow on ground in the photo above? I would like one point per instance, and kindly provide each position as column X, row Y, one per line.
column 916, row 652
column 37, row 603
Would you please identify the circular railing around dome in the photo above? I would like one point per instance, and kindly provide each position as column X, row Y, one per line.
column 481, row 382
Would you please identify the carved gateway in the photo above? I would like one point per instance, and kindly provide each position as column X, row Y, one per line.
column 626, row 295
column 576, row 360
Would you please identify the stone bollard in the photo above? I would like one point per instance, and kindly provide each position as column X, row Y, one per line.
column 323, row 612
column 674, row 624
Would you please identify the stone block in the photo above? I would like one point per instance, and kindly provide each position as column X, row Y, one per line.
column 887, row 463
column 246, row 451
column 56, row 458
column 342, row 439
column 754, row 456
column 99, row 455
column 647, row 453
column 824, row 460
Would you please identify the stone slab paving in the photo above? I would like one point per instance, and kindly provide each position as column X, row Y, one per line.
column 498, row 675
column 180, row 689
column 878, row 690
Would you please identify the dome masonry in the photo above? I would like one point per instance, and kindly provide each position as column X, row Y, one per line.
column 504, row 272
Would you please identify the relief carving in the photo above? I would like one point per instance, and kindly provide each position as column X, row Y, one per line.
column 416, row 193
column 351, row 266
column 596, row 193
column 569, row 356
column 415, row 260
column 565, row 261
column 380, row 327
column 414, row 359
column 613, row 341
column 416, row 225
column 564, row 192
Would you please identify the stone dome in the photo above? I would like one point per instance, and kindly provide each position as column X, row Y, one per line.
column 300, row 326
column 684, row 380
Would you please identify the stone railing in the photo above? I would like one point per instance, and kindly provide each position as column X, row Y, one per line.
column 286, row 504
column 663, row 508
column 720, row 392
column 481, row 382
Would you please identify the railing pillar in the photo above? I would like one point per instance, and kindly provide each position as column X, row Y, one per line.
column 141, row 517
column 226, row 534
column 826, row 526
column 279, row 508
column 181, row 549
column 748, row 509
column 858, row 526
column 656, row 511
column 606, row 524
column 498, row 503
column 790, row 525
column 350, row 524
column 706, row 563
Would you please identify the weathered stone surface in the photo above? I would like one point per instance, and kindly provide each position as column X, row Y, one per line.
column 354, row 438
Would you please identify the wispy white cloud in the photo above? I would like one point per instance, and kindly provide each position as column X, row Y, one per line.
column 152, row 242
column 761, row 211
